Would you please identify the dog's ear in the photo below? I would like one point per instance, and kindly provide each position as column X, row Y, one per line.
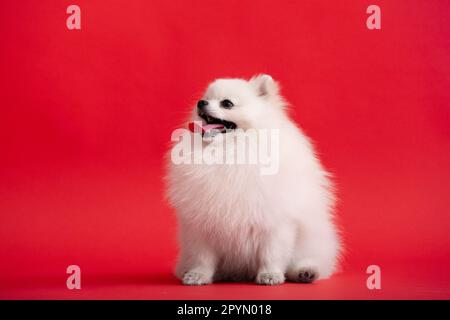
column 265, row 85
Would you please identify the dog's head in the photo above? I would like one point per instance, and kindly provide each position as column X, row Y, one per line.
column 228, row 104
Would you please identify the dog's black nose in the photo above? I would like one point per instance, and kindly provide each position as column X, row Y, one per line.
column 201, row 104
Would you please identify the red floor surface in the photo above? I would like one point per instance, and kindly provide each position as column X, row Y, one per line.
column 413, row 280
column 86, row 117
column 122, row 258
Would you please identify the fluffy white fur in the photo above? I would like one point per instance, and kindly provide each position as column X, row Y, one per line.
column 236, row 224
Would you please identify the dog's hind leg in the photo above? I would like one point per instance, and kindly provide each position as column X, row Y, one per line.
column 316, row 252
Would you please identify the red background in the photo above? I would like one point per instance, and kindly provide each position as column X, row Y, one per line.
column 86, row 116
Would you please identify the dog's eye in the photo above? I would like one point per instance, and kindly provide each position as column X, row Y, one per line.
column 227, row 104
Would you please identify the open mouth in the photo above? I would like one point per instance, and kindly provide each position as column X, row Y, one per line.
column 216, row 124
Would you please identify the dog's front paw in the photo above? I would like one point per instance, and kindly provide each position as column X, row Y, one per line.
column 192, row 278
column 270, row 278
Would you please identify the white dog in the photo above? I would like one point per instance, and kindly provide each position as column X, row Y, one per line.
column 236, row 224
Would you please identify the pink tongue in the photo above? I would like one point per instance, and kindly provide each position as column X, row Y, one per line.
column 204, row 128
column 208, row 127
